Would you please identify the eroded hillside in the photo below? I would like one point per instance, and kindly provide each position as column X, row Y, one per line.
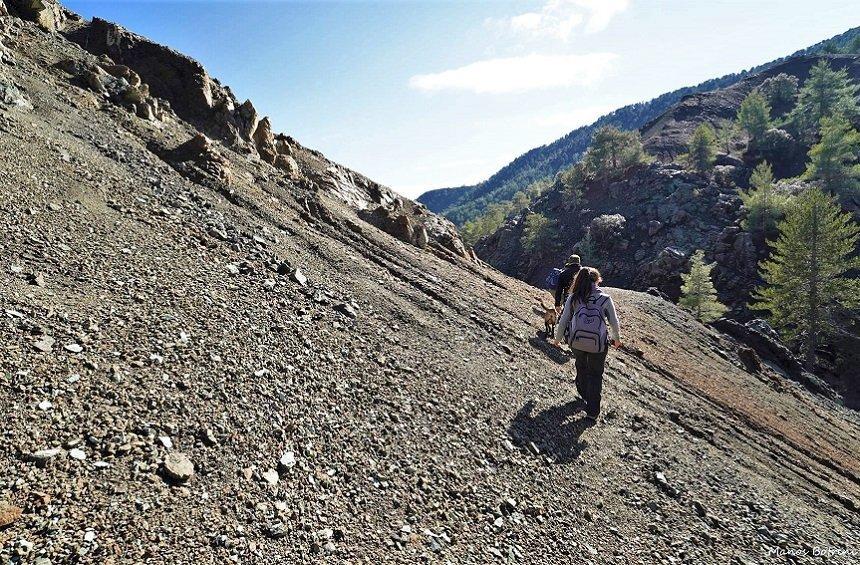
column 206, row 357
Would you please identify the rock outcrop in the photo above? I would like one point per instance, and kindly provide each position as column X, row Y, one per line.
column 119, row 84
column 48, row 14
column 643, row 229
column 197, row 159
column 170, row 80
column 174, row 77
column 759, row 336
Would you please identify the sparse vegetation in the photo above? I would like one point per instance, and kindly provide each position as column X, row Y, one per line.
column 806, row 277
column 497, row 213
column 572, row 180
column 727, row 134
column 587, row 249
column 780, row 91
column 613, row 152
column 698, row 294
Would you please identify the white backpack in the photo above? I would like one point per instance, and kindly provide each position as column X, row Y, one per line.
column 587, row 329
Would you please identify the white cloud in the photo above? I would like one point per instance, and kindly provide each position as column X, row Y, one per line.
column 559, row 18
column 601, row 12
column 519, row 74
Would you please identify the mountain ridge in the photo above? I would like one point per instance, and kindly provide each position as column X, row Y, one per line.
column 464, row 203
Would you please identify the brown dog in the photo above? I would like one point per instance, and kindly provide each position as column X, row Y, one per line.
column 550, row 319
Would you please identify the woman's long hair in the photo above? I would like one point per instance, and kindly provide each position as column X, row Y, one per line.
column 584, row 283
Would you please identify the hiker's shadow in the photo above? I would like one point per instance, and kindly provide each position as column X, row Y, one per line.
column 555, row 431
column 554, row 352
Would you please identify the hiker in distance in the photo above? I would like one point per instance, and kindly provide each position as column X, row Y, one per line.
column 565, row 279
column 583, row 326
column 559, row 282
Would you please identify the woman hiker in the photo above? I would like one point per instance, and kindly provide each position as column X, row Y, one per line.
column 583, row 327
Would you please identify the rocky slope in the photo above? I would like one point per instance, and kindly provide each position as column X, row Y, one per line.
column 151, row 80
column 466, row 202
column 206, row 358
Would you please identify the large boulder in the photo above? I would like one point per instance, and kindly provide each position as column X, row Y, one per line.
column 264, row 141
column 11, row 97
column 664, row 272
column 287, row 164
column 198, row 160
column 394, row 223
column 48, row 14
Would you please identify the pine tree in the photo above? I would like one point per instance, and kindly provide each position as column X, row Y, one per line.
column 613, row 151
column 765, row 205
column 825, row 93
column 520, row 201
column 727, row 134
column 538, row 229
column 702, row 148
column 573, row 180
column 831, row 48
column 698, row 294
column 833, row 160
column 806, row 276
column 754, row 115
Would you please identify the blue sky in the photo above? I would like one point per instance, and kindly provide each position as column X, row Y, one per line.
column 421, row 95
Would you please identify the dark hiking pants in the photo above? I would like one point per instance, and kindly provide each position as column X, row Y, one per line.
column 589, row 379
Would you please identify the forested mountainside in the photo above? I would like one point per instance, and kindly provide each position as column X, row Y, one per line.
column 465, row 203
column 717, row 172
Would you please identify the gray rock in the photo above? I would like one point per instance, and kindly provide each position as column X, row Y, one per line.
column 36, row 279
column 287, row 461
column 297, row 276
column 42, row 456
column 346, row 310
column 208, row 437
column 12, row 98
column 178, row 467
column 270, row 476
column 275, row 530
column 661, row 481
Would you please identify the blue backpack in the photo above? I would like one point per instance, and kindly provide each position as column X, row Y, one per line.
column 551, row 280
